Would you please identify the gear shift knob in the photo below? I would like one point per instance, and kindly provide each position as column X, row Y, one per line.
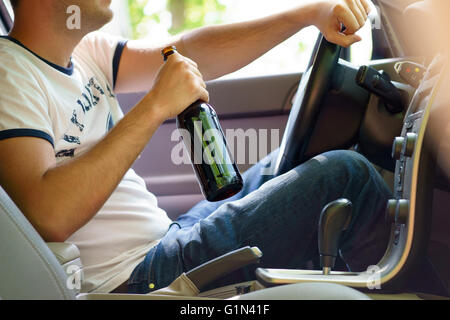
column 334, row 219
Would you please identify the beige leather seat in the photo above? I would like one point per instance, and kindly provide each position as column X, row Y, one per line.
column 28, row 268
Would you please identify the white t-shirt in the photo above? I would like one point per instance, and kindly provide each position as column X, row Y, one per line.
column 73, row 108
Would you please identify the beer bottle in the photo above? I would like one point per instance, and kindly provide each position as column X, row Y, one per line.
column 216, row 171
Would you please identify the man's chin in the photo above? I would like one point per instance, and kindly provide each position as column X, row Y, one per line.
column 110, row 15
column 105, row 9
column 98, row 21
column 106, row 17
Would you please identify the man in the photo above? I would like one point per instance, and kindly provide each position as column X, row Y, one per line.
column 67, row 149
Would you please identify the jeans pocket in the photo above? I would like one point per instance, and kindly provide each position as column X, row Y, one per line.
column 140, row 273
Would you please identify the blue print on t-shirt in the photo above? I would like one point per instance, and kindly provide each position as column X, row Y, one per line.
column 72, row 139
column 90, row 96
column 74, row 120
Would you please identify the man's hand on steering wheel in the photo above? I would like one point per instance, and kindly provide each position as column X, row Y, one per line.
column 333, row 14
column 329, row 16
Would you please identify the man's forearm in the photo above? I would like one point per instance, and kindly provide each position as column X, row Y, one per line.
column 73, row 192
column 223, row 49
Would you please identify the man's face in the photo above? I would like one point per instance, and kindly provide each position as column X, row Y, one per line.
column 94, row 13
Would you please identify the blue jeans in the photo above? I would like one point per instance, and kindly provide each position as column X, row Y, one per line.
column 279, row 215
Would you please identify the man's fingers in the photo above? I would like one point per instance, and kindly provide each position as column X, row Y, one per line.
column 356, row 11
column 366, row 6
column 194, row 68
column 353, row 15
column 191, row 62
column 345, row 40
column 204, row 95
column 196, row 72
column 348, row 19
column 186, row 60
column 362, row 10
column 202, row 83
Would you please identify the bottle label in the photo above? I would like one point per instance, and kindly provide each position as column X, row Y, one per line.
column 210, row 149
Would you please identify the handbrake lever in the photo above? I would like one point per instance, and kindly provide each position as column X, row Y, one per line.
column 214, row 269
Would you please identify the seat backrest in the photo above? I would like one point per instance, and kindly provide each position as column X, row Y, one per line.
column 28, row 269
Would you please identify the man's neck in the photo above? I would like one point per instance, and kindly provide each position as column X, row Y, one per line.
column 56, row 47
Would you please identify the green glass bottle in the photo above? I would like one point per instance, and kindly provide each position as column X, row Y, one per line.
column 216, row 171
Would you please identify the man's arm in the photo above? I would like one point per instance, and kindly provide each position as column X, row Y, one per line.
column 59, row 199
column 223, row 49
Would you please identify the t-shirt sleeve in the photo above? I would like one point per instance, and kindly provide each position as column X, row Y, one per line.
column 105, row 50
column 24, row 108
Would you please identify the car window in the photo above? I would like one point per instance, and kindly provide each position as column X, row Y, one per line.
column 159, row 19
column 361, row 52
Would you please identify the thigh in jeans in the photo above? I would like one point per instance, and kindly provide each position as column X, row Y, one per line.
column 253, row 179
column 281, row 219
column 162, row 260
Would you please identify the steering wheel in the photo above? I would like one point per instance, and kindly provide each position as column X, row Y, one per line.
column 314, row 85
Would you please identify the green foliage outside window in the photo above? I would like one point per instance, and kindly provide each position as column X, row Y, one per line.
column 186, row 14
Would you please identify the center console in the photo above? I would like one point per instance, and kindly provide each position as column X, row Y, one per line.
column 408, row 212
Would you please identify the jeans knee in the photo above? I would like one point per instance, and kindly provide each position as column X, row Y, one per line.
column 345, row 156
column 345, row 161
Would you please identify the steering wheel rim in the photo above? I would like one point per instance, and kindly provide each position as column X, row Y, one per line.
column 314, row 85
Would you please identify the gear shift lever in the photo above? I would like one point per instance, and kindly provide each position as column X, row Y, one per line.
column 334, row 219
